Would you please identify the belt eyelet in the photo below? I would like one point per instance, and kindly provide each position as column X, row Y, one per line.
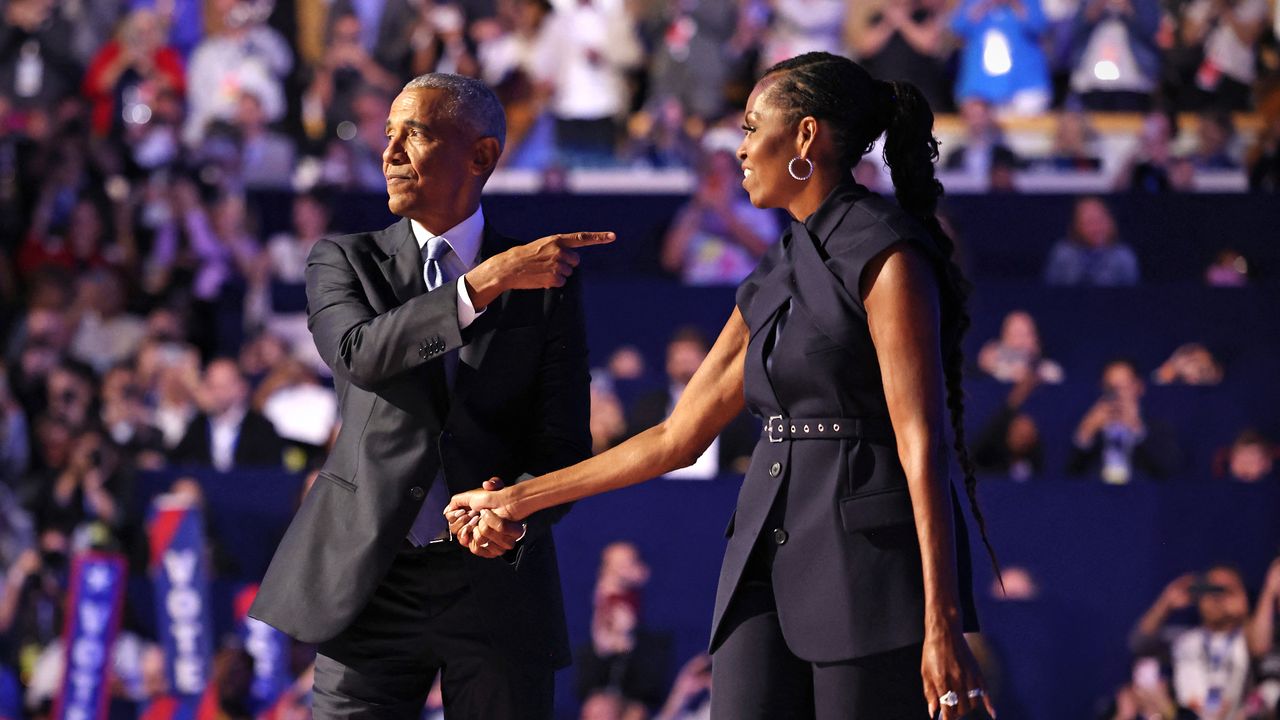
column 819, row 427
column 836, row 427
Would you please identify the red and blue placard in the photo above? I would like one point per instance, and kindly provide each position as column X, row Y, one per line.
column 269, row 648
column 179, row 571
column 95, row 605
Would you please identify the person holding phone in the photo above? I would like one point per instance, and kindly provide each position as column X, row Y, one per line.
column 1210, row 661
column 846, row 587
column 1115, row 439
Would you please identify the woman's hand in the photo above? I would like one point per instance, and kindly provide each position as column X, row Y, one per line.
column 464, row 508
column 948, row 666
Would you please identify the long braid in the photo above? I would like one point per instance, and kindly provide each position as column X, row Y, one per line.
column 910, row 151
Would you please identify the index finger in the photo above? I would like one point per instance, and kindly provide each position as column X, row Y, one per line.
column 583, row 239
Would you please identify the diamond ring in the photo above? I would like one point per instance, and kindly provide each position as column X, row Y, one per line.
column 976, row 693
column 951, row 699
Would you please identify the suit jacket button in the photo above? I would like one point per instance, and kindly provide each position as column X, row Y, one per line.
column 780, row 536
column 775, row 470
column 417, row 493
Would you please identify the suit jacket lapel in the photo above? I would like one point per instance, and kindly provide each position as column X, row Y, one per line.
column 403, row 262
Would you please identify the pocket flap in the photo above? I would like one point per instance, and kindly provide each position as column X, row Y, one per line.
column 876, row 510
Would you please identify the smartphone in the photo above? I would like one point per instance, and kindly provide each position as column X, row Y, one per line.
column 1146, row 673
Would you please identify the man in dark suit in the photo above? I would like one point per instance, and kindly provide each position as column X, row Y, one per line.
column 227, row 433
column 457, row 356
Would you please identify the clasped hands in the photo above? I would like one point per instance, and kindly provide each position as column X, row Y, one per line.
column 479, row 523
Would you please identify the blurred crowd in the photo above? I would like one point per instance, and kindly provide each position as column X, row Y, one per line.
column 150, row 326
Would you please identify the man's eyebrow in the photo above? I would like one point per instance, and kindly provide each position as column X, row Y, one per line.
column 415, row 124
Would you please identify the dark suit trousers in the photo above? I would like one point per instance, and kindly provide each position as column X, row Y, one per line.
column 423, row 618
column 755, row 676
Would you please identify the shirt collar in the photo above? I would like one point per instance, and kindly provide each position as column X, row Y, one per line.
column 464, row 237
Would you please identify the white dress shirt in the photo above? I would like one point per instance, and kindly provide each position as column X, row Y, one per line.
column 224, row 435
column 465, row 239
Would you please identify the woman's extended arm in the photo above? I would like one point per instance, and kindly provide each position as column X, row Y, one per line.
column 712, row 399
column 903, row 313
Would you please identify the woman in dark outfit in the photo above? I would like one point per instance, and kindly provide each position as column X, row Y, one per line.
column 846, row 587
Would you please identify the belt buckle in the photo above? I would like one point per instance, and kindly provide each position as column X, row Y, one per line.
column 769, row 429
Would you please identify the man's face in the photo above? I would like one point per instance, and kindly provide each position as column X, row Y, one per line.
column 224, row 388
column 429, row 158
column 1120, row 380
column 683, row 360
column 1227, row 609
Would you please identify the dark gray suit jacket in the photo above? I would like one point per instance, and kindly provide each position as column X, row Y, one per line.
column 519, row 403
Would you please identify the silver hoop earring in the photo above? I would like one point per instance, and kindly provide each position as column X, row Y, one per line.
column 791, row 168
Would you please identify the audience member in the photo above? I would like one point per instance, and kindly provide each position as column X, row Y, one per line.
column 129, row 71
column 903, row 40
column 303, row 412
column 1210, row 661
column 1250, row 458
column 1215, row 134
column 1116, row 62
column 983, row 146
column 1074, row 145
column 796, row 27
column 1229, row 269
column 265, row 157
column 731, row 451
column 1152, row 167
column 1009, row 443
column 588, row 49
column 105, row 334
column 1228, row 32
column 1016, row 354
column 227, row 433
column 1264, row 157
column 717, row 238
column 37, row 66
column 1115, row 439
column 15, row 441
column 693, row 62
column 1001, row 62
column 126, row 420
column 244, row 54
column 1190, row 364
column 1147, row 695
column 1263, row 643
column 608, row 418
column 440, row 42
column 690, row 696
column 622, row 657
column 1092, row 253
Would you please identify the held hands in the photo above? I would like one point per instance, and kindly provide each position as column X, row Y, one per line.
column 481, row 524
column 947, row 667
column 544, row 263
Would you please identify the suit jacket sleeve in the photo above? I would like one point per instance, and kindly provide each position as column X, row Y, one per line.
column 561, row 434
column 366, row 347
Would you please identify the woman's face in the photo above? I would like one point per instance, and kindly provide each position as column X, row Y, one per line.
column 768, row 144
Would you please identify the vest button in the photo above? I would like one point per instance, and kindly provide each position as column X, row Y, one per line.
column 780, row 536
column 775, row 470
column 417, row 493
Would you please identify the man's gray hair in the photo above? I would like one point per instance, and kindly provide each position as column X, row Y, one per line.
column 469, row 101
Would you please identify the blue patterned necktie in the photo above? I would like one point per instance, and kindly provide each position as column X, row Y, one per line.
column 430, row 524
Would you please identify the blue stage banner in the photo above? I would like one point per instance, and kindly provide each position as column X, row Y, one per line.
column 94, row 608
column 270, row 651
column 180, row 574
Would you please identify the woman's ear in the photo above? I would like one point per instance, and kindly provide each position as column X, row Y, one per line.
column 806, row 134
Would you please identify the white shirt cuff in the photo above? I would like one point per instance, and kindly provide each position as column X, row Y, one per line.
column 467, row 313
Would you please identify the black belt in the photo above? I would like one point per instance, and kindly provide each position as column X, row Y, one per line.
column 781, row 428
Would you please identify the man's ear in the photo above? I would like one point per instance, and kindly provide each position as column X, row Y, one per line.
column 484, row 156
